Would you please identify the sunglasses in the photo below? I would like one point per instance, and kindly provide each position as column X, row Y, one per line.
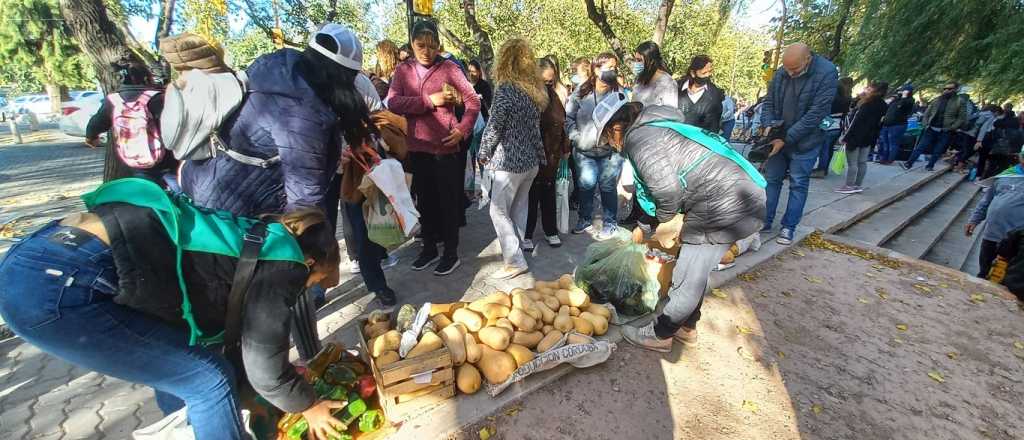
column 949, row 88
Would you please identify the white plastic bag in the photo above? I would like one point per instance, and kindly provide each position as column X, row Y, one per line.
column 486, row 183
column 562, row 205
column 389, row 177
column 175, row 427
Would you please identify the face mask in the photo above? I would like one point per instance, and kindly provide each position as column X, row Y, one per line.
column 700, row 81
column 609, row 77
column 638, row 68
column 576, row 79
column 549, row 83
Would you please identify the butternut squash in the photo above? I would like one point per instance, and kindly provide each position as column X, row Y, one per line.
column 520, row 300
column 551, row 302
column 389, row 341
column 582, row 326
column 387, row 358
column 456, row 343
column 565, row 281
column 547, row 315
column 497, row 338
column 600, row 324
column 549, row 341
column 563, row 323
column 521, row 354
column 498, row 297
column 522, row 320
column 497, row 366
column 494, row 311
column 528, row 340
column 441, row 320
column 504, row 322
column 578, row 298
column 473, row 351
column 429, row 342
column 376, row 329
column 600, row 310
column 468, row 379
column 472, row 320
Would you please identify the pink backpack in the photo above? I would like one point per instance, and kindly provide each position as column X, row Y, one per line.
column 136, row 132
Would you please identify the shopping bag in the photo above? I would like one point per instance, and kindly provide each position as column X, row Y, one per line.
column 389, row 177
column 175, row 427
column 486, row 183
column 382, row 221
column 838, row 163
column 615, row 271
column 562, row 190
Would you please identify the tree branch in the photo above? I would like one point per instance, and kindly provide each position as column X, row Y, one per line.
column 837, row 39
column 263, row 23
column 454, row 39
column 600, row 20
column 664, row 12
column 165, row 21
column 724, row 11
column 482, row 38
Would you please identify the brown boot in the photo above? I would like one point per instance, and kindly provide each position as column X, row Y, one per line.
column 686, row 336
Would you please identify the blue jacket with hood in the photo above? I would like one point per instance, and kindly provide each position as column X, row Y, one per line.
column 281, row 115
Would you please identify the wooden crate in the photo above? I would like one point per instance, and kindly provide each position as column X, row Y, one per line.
column 403, row 396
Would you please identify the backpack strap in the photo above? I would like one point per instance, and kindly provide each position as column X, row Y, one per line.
column 244, row 271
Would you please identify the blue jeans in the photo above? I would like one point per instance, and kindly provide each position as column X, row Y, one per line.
column 932, row 141
column 799, row 166
column 368, row 252
column 825, row 154
column 727, row 128
column 57, row 294
column 889, row 141
column 604, row 171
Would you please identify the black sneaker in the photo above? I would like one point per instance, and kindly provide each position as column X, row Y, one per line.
column 906, row 166
column 447, row 266
column 425, row 259
column 387, row 298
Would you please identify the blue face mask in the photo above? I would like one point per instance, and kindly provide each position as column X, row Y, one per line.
column 576, row 79
column 638, row 68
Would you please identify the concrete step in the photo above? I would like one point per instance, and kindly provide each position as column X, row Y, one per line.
column 954, row 247
column 882, row 225
column 918, row 237
column 971, row 266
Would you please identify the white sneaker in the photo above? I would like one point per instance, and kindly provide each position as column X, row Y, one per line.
column 553, row 241
column 353, row 266
column 527, row 245
column 389, row 262
column 722, row 267
column 644, row 337
column 509, row 272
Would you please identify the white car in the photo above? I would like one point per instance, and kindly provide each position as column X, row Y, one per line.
column 17, row 104
column 39, row 104
column 75, row 114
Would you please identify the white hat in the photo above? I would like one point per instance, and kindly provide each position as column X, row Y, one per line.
column 350, row 50
column 605, row 109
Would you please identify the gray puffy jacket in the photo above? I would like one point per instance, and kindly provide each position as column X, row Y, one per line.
column 721, row 203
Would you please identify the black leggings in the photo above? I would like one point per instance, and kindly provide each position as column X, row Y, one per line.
column 438, row 183
column 542, row 201
column 986, row 257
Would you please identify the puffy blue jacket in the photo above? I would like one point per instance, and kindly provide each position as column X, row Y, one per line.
column 282, row 116
column 813, row 103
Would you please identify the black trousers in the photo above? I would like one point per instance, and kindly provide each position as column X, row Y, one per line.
column 437, row 182
column 542, row 201
column 986, row 257
column 331, row 202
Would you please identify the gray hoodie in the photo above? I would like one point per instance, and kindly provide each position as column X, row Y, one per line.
column 581, row 127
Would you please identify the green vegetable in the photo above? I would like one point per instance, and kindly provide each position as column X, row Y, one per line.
column 371, row 421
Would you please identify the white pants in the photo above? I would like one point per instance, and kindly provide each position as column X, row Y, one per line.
column 510, row 197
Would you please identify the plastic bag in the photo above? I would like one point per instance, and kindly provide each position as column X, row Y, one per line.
column 389, row 177
column 486, row 183
column 562, row 182
column 382, row 224
column 838, row 163
column 615, row 271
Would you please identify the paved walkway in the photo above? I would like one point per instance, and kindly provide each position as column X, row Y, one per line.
column 44, row 397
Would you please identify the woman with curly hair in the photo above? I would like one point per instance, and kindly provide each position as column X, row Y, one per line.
column 512, row 148
column 387, row 60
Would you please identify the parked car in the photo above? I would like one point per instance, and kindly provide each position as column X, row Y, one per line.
column 17, row 105
column 75, row 114
column 79, row 94
column 39, row 104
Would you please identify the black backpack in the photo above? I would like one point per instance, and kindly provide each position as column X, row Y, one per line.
column 1008, row 141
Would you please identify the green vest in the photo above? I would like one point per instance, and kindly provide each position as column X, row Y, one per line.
column 195, row 229
column 715, row 145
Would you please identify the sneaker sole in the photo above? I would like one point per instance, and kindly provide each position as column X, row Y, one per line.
column 784, row 242
column 455, row 266
column 414, row 267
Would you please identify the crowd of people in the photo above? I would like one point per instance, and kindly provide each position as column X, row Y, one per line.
column 295, row 150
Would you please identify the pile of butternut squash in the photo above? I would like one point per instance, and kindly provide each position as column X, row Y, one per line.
column 493, row 336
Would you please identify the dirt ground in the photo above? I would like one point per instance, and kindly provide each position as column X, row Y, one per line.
column 814, row 344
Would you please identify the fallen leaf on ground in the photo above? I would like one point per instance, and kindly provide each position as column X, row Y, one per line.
column 977, row 298
column 936, row 376
column 813, row 279
column 745, row 354
column 781, row 354
column 953, row 355
column 883, row 295
column 750, row 406
column 923, row 288
column 863, row 301
column 870, row 275
column 877, row 267
column 719, row 293
column 512, row 411
column 786, row 293
column 797, row 253
column 901, row 327
column 486, row 432
column 1019, row 345
column 944, row 285
column 744, row 330
column 817, row 409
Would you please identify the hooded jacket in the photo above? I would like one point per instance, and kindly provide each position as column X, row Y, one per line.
column 409, row 96
column 281, row 116
column 721, row 203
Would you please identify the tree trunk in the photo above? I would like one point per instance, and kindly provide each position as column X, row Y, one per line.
column 664, row 12
column 837, row 38
column 483, row 40
column 779, row 38
column 165, row 21
column 724, row 11
column 600, row 20
column 455, row 40
column 104, row 45
column 56, row 97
